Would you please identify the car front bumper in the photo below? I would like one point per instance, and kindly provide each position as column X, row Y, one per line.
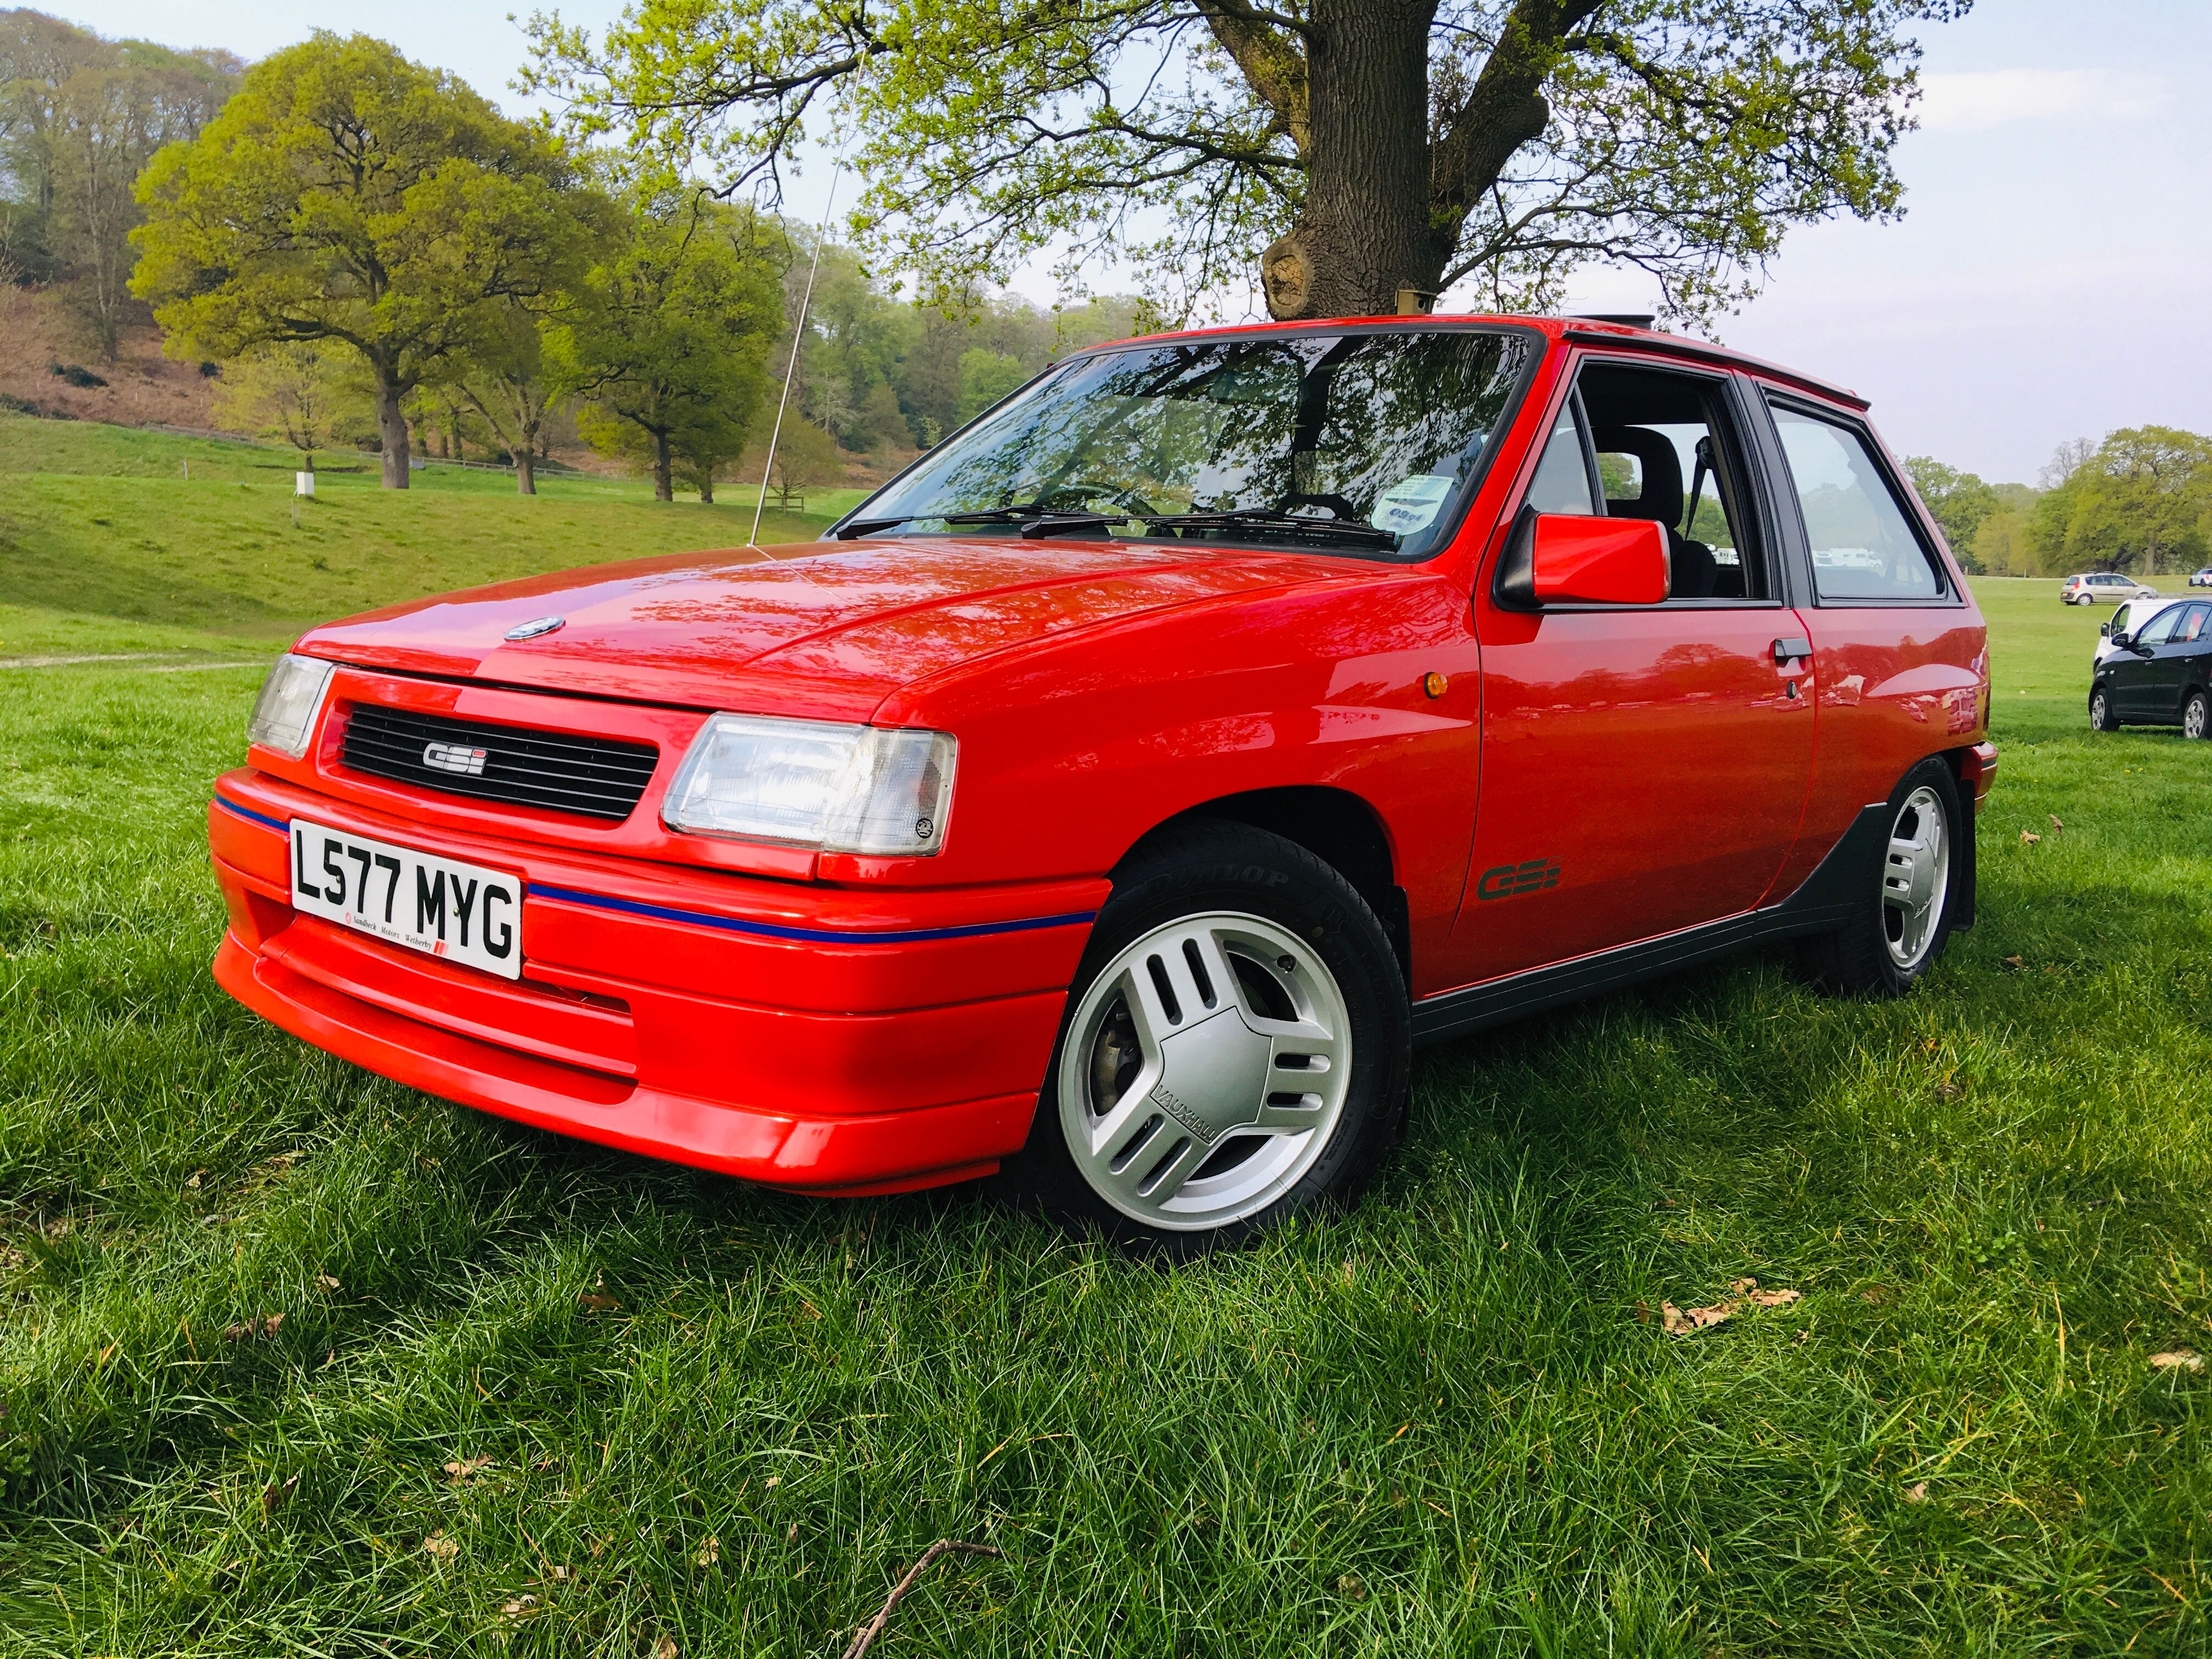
column 830, row 1039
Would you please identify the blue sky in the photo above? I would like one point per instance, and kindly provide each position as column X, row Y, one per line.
column 2052, row 277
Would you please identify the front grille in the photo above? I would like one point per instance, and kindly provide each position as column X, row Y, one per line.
column 596, row 777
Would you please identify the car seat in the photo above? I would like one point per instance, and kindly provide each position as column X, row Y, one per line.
column 1697, row 574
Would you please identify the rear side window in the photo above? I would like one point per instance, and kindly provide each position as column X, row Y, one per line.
column 1863, row 546
column 2193, row 625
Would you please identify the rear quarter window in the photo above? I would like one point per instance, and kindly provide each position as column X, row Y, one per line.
column 1862, row 541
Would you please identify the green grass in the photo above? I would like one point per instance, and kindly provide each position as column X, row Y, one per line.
column 1442, row 1424
column 105, row 521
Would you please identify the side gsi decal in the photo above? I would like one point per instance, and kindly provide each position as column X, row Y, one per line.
column 1508, row 879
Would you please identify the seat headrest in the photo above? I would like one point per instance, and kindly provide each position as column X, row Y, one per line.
column 1662, row 494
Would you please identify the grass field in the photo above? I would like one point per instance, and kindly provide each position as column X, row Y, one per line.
column 295, row 1361
column 203, row 534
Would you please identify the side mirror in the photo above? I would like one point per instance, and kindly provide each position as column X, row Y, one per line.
column 1574, row 559
column 2104, row 630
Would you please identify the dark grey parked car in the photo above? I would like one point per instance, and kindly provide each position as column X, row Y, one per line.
column 2160, row 676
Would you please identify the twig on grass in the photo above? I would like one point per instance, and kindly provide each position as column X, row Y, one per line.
column 868, row 1632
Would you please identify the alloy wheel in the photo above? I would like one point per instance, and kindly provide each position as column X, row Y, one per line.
column 1205, row 1071
column 1915, row 878
column 2193, row 717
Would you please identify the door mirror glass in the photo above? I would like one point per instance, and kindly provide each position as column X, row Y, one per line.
column 1584, row 561
column 2122, row 640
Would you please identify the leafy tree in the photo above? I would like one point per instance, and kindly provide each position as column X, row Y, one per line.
column 806, row 456
column 669, row 336
column 1370, row 146
column 1959, row 501
column 2139, row 496
column 986, row 376
column 302, row 392
column 349, row 195
column 2002, row 546
column 504, row 380
column 80, row 116
column 504, row 376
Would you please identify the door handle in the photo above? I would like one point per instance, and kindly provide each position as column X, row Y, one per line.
column 1787, row 651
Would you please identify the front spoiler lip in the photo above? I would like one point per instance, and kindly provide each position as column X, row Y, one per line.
column 887, row 1151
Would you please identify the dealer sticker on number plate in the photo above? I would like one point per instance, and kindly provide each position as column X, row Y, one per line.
column 461, row 912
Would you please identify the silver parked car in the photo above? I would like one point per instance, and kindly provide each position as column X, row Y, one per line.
column 2090, row 586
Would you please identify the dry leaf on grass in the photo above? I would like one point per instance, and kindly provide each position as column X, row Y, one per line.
column 598, row 1301
column 267, row 1325
column 2177, row 1360
column 327, row 1283
column 775, row 1480
column 664, row 1649
column 277, row 1494
column 1675, row 1321
column 2028, row 838
column 2015, row 962
column 2057, row 823
column 1917, row 1493
column 519, row 1605
column 440, row 1548
column 467, row 1468
column 710, row 1553
column 1354, row 1585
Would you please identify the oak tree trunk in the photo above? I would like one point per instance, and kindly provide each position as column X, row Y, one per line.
column 664, row 482
column 1364, row 232
column 391, row 429
column 526, row 471
column 707, row 489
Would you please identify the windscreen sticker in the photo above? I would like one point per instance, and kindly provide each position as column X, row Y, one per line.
column 1412, row 503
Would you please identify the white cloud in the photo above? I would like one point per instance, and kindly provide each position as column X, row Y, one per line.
column 1974, row 102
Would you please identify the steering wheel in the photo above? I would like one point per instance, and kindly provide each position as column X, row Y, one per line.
column 1135, row 504
column 1336, row 504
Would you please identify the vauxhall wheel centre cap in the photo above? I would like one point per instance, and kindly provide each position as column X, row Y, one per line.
column 534, row 627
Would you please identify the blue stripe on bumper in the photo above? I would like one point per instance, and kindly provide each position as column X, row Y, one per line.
column 738, row 925
column 278, row 825
column 811, row 935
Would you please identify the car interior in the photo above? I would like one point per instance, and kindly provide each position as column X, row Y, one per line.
column 1642, row 431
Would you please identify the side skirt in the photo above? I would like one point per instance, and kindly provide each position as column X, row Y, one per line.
column 1826, row 899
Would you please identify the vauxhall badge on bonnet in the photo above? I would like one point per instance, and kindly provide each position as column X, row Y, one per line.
column 534, row 627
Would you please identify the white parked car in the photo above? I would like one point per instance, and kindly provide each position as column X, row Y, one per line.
column 2091, row 586
column 2201, row 578
column 2128, row 619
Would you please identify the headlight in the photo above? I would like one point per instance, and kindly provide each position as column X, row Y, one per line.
column 284, row 712
column 810, row 783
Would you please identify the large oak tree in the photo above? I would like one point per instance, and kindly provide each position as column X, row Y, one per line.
column 1367, row 146
column 346, row 194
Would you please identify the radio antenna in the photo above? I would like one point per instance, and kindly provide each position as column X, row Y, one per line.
column 797, row 334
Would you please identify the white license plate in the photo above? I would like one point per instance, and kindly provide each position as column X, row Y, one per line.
column 461, row 912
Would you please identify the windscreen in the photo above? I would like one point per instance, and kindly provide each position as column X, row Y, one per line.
column 1365, row 444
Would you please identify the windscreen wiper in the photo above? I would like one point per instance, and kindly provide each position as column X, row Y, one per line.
column 1277, row 520
column 1034, row 519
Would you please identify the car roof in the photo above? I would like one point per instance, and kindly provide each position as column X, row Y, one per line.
column 1579, row 330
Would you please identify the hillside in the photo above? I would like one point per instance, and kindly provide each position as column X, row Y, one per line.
column 142, row 526
column 143, row 387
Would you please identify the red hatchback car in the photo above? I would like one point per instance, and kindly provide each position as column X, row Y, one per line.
column 1115, row 798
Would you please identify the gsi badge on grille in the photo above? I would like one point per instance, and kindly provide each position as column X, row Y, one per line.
column 454, row 757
